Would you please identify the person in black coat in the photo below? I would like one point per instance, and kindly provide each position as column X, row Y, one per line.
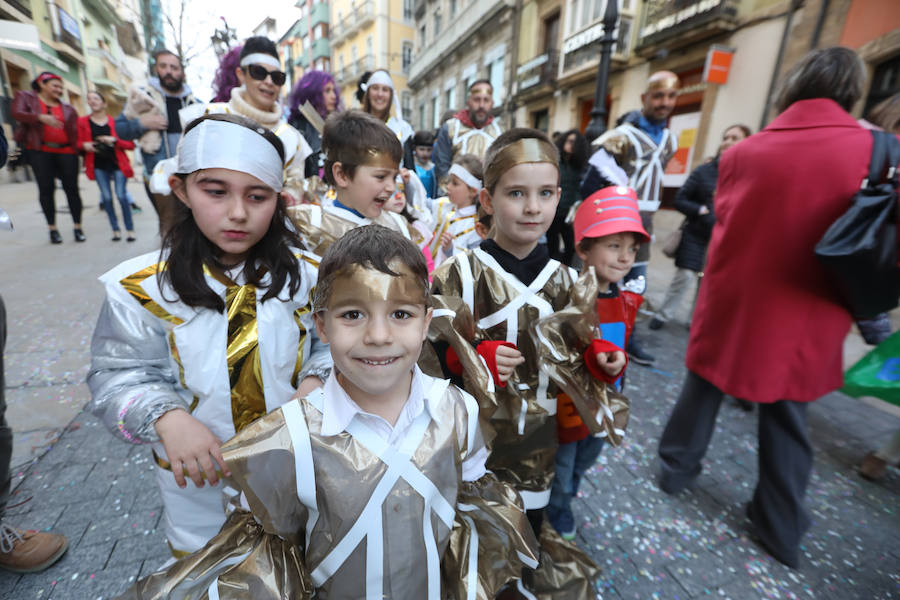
column 573, row 156
column 695, row 201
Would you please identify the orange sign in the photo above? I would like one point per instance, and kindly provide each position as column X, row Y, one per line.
column 718, row 63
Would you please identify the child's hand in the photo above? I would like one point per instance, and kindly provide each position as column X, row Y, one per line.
column 404, row 176
column 447, row 241
column 507, row 361
column 191, row 446
column 612, row 363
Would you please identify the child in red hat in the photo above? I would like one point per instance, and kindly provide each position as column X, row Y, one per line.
column 608, row 234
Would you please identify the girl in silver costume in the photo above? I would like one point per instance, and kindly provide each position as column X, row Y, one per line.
column 195, row 342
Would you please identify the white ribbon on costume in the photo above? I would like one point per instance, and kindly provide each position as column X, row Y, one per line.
column 215, row 144
column 642, row 176
column 467, row 178
column 213, row 590
column 304, row 470
column 400, row 465
column 260, row 58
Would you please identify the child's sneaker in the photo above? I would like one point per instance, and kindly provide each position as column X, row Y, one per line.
column 29, row 551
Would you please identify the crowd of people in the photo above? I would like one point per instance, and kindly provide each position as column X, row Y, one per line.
column 344, row 299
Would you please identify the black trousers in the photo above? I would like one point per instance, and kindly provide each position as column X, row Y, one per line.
column 48, row 167
column 6, row 438
column 785, row 460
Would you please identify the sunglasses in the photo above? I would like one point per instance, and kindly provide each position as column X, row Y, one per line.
column 260, row 73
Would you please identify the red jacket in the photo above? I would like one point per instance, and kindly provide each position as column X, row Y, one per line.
column 84, row 135
column 768, row 325
column 26, row 108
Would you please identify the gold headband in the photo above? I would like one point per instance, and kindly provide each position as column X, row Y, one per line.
column 668, row 82
column 528, row 150
column 358, row 283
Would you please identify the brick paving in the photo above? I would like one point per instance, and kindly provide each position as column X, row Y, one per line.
column 101, row 493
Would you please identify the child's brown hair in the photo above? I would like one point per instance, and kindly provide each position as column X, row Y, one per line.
column 354, row 138
column 470, row 163
column 498, row 160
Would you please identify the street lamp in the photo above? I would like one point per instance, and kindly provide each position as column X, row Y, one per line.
column 222, row 38
column 598, row 114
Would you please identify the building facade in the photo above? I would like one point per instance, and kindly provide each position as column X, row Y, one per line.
column 457, row 42
column 306, row 43
column 368, row 35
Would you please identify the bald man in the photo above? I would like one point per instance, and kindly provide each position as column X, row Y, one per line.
column 635, row 154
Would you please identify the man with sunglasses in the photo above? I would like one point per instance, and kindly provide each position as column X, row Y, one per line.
column 257, row 97
column 169, row 93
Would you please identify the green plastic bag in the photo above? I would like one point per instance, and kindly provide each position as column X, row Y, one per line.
column 877, row 373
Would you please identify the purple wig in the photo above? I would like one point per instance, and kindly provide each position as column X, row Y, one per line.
column 310, row 87
column 225, row 79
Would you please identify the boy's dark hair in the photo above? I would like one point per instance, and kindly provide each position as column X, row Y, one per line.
column 423, row 138
column 373, row 247
column 470, row 163
column 510, row 137
column 186, row 250
column 259, row 44
column 352, row 138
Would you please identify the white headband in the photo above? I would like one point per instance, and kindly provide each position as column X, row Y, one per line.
column 469, row 179
column 380, row 78
column 259, row 58
column 222, row 145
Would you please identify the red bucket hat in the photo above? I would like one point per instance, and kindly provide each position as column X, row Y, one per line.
column 607, row 211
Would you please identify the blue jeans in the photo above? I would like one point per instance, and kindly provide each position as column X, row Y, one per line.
column 572, row 462
column 103, row 178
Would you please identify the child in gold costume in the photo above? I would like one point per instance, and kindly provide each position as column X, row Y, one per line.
column 362, row 160
column 512, row 285
column 373, row 486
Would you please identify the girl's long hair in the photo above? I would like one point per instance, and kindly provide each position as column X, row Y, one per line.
column 310, row 88
column 186, row 250
column 579, row 156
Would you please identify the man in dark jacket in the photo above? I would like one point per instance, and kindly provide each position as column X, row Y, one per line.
column 635, row 154
column 695, row 201
column 168, row 91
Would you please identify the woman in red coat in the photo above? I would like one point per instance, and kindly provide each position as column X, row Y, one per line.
column 768, row 327
column 105, row 159
column 48, row 134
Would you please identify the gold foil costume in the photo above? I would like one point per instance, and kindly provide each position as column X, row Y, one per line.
column 321, row 226
column 562, row 339
column 410, row 527
column 469, row 140
column 524, row 415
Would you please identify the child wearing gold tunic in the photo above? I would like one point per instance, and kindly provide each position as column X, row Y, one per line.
column 511, row 283
column 375, row 485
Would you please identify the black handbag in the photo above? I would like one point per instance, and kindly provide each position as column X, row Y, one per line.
column 859, row 250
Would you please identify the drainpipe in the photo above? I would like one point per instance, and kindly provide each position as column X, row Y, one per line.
column 795, row 4
column 820, row 23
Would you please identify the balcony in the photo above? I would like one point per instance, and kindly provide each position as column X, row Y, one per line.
column 67, row 35
column 352, row 72
column 22, row 6
column 457, row 33
column 678, row 24
column 360, row 15
column 320, row 49
column 537, row 72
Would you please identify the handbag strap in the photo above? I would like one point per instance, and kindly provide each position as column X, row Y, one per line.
column 884, row 160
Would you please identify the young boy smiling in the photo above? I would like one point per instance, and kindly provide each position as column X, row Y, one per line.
column 355, row 488
column 362, row 160
column 511, row 282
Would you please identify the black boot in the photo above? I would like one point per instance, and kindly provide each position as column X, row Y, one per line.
column 638, row 354
column 55, row 238
column 79, row 235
